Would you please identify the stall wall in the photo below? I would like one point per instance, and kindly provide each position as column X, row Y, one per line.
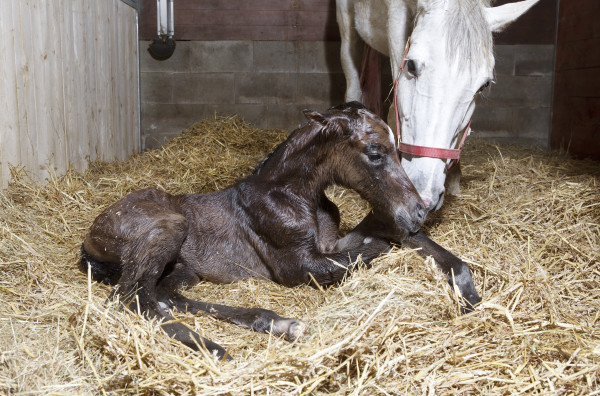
column 266, row 60
column 69, row 77
column 576, row 118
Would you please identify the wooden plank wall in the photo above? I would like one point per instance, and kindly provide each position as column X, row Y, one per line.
column 69, row 80
column 576, row 116
column 305, row 20
column 260, row 20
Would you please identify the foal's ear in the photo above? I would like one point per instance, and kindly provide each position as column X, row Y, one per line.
column 315, row 116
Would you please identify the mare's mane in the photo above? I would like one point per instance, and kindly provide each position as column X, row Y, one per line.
column 468, row 35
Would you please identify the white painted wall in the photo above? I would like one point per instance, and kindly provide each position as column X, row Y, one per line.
column 69, row 79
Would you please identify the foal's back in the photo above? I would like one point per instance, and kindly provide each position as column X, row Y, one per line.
column 221, row 245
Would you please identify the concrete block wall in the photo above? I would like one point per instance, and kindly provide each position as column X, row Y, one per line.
column 518, row 108
column 269, row 83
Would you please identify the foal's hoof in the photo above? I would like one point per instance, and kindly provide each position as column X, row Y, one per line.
column 292, row 329
column 295, row 331
column 470, row 303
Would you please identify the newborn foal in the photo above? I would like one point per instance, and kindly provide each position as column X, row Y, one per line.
column 275, row 224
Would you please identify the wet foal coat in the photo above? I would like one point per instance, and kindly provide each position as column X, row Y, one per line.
column 276, row 224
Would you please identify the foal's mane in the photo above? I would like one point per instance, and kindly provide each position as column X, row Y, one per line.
column 318, row 130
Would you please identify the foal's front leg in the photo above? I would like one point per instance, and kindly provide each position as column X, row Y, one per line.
column 373, row 228
column 323, row 269
column 457, row 272
column 328, row 224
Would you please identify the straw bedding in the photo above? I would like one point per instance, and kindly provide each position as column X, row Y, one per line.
column 527, row 222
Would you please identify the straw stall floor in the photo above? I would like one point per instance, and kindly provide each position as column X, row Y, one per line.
column 527, row 222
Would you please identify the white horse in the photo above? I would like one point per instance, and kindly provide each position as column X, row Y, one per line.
column 449, row 62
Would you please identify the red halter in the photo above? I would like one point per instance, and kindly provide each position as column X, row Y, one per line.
column 422, row 151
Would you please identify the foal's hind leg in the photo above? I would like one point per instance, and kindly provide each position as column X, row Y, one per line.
column 145, row 294
column 257, row 319
column 155, row 244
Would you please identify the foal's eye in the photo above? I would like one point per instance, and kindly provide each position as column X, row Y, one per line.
column 375, row 157
column 411, row 67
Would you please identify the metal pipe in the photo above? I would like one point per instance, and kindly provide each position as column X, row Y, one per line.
column 163, row 47
column 165, row 18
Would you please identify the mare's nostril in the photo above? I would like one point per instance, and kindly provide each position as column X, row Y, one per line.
column 427, row 202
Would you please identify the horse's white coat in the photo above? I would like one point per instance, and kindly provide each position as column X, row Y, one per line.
column 392, row 136
column 452, row 53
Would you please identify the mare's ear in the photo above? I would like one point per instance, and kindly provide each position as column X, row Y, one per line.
column 315, row 116
column 500, row 17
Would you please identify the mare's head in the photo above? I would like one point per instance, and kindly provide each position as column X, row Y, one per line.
column 358, row 151
column 449, row 63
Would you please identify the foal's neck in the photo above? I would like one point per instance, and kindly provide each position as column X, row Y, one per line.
column 305, row 167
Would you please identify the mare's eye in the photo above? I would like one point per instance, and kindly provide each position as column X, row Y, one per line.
column 411, row 67
column 484, row 86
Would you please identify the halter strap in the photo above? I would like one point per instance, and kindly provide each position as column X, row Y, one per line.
column 423, row 151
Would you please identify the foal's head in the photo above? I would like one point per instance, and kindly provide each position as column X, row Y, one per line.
column 360, row 153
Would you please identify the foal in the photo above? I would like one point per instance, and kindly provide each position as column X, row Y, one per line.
column 276, row 224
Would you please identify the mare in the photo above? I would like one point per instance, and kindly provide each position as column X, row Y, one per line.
column 275, row 224
column 438, row 77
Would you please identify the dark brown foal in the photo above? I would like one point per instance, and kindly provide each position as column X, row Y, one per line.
column 276, row 224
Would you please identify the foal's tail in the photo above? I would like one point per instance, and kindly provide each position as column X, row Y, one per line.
column 108, row 273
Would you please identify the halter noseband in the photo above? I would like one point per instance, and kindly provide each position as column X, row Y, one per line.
column 423, row 151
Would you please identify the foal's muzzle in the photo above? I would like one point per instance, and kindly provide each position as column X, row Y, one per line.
column 420, row 215
column 411, row 222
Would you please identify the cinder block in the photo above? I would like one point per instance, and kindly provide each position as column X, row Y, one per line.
column 265, row 88
column 534, row 60
column 203, row 88
column 525, row 123
column 288, row 116
column 160, row 120
column 534, row 124
column 275, row 56
column 156, row 87
column 321, row 88
column 504, row 56
column 492, row 119
column 220, row 56
column 319, row 57
column 268, row 84
column 201, row 56
column 519, row 91
column 179, row 115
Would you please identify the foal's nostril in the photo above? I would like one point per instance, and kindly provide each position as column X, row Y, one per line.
column 421, row 213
